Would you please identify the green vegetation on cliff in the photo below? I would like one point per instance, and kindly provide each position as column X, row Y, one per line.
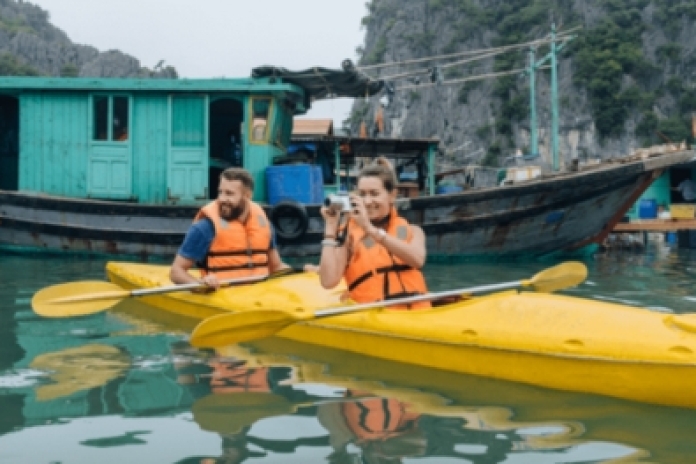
column 630, row 65
column 11, row 66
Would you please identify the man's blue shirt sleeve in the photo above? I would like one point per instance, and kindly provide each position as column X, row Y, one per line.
column 197, row 241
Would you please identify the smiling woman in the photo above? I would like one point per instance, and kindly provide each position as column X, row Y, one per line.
column 382, row 254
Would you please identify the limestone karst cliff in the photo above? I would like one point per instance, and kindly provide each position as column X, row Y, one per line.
column 31, row 45
column 626, row 80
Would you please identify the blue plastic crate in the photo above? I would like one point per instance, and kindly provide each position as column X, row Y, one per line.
column 299, row 182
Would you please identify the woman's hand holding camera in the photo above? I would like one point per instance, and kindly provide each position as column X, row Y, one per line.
column 331, row 218
column 359, row 213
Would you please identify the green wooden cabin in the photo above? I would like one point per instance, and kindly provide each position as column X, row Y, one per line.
column 150, row 141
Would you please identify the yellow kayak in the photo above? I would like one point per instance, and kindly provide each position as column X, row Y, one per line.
column 542, row 339
column 300, row 290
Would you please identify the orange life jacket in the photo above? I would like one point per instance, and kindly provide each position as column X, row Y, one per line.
column 378, row 418
column 227, row 378
column 374, row 274
column 238, row 249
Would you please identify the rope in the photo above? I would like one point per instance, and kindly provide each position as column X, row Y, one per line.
column 537, row 42
column 468, row 79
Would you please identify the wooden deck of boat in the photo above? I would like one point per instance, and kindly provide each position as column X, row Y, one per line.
column 656, row 225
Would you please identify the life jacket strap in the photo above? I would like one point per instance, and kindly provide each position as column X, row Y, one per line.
column 245, row 252
column 249, row 265
column 379, row 270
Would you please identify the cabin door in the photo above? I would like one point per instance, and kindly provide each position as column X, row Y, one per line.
column 110, row 161
column 187, row 177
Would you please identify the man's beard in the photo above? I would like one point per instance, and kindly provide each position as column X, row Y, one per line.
column 231, row 213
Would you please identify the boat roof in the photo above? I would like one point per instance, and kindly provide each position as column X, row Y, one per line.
column 312, row 127
column 321, row 83
column 312, row 84
column 249, row 85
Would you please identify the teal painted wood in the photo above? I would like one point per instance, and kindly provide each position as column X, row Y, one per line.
column 258, row 155
column 256, row 159
column 53, row 149
column 60, row 156
column 187, row 181
column 110, row 160
column 246, row 85
column 659, row 191
column 150, row 147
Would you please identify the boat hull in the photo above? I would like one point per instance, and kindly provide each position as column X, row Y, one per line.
column 561, row 213
column 552, row 341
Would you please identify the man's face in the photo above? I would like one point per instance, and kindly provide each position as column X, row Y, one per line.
column 233, row 199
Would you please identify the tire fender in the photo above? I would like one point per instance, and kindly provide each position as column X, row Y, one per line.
column 290, row 219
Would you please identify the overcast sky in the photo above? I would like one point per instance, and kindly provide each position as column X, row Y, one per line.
column 215, row 38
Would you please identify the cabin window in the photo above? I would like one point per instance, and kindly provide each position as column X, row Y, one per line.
column 111, row 118
column 120, row 119
column 188, row 121
column 260, row 109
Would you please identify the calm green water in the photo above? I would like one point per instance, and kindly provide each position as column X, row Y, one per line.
column 124, row 386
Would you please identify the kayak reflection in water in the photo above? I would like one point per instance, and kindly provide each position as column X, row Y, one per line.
column 361, row 426
column 231, row 397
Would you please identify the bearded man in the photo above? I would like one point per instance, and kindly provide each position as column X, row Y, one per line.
column 231, row 237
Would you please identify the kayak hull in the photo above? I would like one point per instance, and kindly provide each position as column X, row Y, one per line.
column 666, row 384
column 547, row 340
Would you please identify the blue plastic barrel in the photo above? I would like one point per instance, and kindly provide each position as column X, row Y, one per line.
column 647, row 209
column 298, row 182
column 447, row 188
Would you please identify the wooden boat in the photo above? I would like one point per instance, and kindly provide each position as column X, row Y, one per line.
column 563, row 212
column 547, row 340
column 77, row 185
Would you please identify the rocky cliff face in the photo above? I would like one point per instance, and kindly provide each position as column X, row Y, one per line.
column 625, row 81
column 31, row 45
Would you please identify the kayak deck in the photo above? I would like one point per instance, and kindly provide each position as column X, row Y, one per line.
column 289, row 292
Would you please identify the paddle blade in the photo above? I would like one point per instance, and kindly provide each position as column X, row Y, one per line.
column 231, row 328
column 78, row 369
column 77, row 298
column 565, row 275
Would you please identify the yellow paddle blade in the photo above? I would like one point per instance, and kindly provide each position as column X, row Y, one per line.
column 564, row 275
column 80, row 368
column 77, row 298
column 231, row 328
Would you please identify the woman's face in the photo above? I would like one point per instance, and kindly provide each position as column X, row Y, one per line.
column 378, row 201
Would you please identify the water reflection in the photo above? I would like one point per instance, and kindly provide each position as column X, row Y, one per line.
column 362, row 420
column 125, row 385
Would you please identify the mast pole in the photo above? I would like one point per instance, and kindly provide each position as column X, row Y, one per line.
column 534, row 136
column 554, row 99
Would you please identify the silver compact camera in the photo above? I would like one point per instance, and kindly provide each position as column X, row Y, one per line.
column 338, row 203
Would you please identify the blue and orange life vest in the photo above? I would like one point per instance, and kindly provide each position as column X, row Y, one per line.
column 239, row 249
column 374, row 274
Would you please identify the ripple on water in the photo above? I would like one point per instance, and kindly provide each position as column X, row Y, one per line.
column 21, row 378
